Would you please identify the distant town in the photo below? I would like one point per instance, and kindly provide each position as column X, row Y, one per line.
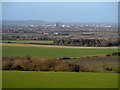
column 61, row 32
column 35, row 31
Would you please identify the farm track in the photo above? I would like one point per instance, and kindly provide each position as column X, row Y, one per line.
column 53, row 46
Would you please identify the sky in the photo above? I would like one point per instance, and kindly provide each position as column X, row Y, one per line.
column 60, row 0
column 83, row 12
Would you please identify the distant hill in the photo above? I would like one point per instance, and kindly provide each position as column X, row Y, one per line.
column 24, row 22
column 39, row 22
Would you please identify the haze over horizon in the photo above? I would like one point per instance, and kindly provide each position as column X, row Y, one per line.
column 88, row 12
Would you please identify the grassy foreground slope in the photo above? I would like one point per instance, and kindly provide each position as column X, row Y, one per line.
column 1, row 79
column 54, row 52
column 29, row 79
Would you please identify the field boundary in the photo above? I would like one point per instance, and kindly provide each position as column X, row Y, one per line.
column 54, row 46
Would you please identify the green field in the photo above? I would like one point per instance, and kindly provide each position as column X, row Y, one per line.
column 29, row 41
column 0, row 79
column 29, row 79
column 54, row 52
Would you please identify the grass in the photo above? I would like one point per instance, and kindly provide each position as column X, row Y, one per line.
column 29, row 41
column 54, row 52
column 29, row 79
column 1, row 79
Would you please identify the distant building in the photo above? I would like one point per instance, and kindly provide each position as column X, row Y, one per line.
column 32, row 25
column 45, row 33
column 56, row 33
column 57, row 25
column 62, row 25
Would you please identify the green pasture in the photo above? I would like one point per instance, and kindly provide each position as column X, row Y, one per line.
column 30, row 79
column 29, row 41
column 54, row 52
column 0, row 79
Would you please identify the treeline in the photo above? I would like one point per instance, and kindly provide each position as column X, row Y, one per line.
column 86, row 42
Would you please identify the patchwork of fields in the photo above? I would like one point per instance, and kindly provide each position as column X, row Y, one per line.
column 38, row 79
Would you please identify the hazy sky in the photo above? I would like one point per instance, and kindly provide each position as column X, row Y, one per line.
column 88, row 12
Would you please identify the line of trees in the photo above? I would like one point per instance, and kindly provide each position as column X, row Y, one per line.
column 86, row 42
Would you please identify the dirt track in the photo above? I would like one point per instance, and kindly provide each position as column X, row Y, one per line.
column 52, row 46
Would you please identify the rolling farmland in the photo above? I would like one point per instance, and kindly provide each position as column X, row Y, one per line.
column 39, row 79
column 71, row 45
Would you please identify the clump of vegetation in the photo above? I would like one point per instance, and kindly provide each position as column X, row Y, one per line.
column 86, row 42
column 116, row 53
column 84, row 64
column 65, row 58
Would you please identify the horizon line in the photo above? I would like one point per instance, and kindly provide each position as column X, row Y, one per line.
column 58, row 21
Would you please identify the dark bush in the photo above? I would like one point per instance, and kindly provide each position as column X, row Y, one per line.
column 108, row 55
column 109, row 68
column 65, row 58
column 116, row 53
column 17, row 67
column 74, row 67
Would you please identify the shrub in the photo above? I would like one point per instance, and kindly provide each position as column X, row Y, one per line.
column 65, row 58
column 6, row 65
column 85, row 64
column 62, row 66
column 116, row 53
column 74, row 67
